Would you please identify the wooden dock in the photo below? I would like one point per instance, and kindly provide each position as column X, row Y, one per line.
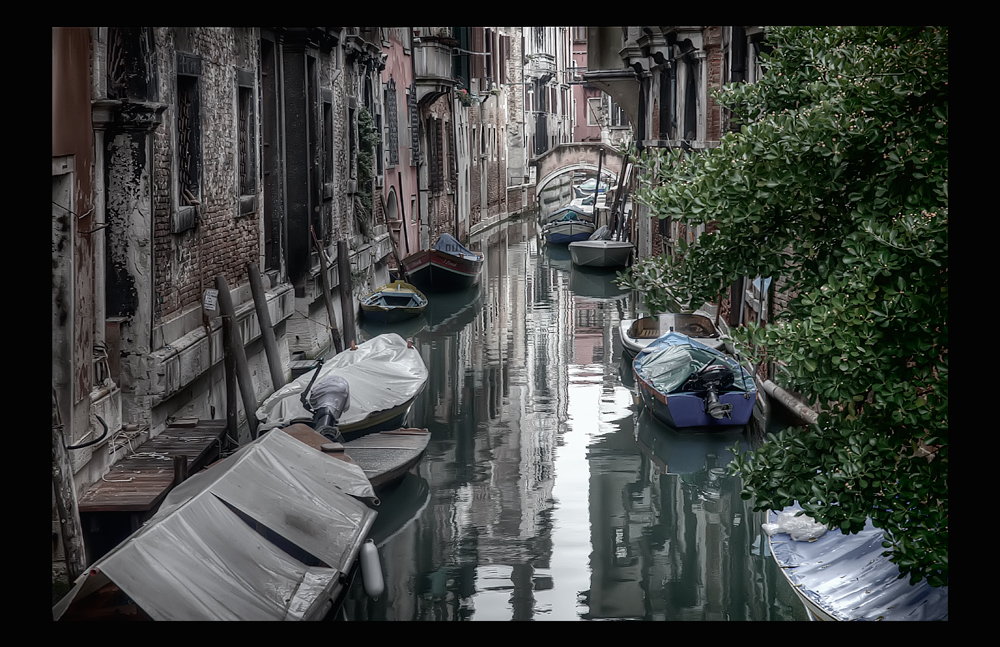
column 140, row 481
column 133, row 489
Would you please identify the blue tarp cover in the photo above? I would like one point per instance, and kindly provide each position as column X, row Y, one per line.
column 670, row 360
column 848, row 577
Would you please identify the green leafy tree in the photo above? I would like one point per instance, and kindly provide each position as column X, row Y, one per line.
column 838, row 183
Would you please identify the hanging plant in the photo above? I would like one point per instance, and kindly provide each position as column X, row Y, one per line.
column 368, row 139
column 464, row 96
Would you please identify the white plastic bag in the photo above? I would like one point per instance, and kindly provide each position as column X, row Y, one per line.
column 801, row 528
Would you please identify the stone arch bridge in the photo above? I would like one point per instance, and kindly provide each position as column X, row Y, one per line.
column 566, row 158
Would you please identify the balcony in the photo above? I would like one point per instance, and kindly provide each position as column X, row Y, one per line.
column 432, row 66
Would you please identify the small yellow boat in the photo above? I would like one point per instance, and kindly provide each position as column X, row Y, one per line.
column 396, row 301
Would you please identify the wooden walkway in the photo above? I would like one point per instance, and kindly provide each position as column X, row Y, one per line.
column 139, row 482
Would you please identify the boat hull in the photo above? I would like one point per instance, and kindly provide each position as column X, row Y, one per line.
column 672, row 360
column 567, row 231
column 393, row 302
column 435, row 270
column 600, row 253
column 683, row 410
column 392, row 418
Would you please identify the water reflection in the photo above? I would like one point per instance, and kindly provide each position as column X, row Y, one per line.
column 550, row 493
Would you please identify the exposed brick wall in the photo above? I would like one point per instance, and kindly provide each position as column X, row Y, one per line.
column 223, row 241
column 714, row 62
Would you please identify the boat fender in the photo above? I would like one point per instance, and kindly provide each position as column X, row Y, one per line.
column 371, row 570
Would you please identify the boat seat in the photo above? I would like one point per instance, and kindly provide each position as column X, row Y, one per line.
column 648, row 333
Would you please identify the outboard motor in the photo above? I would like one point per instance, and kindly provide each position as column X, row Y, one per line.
column 708, row 383
column 327, row 400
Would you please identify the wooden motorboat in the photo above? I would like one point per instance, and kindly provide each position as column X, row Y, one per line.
column 381, row 378
column 636, row 334
column 393, row 302
column 600, row 250
column 564, row 232
column 569, row 212
column 587, row 187
column 384, row 456
column 240, row 540
column 684, row 383
column 448, row 265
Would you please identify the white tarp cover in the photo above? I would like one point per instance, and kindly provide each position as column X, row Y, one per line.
column 382, row 373
column 196, row 559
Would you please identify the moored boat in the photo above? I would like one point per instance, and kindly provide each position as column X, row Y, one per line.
column 448, row 265
column 684, row 384
column 239, row 540
column 636, row 334
column 587, row 187
column 841, row 576
column 567, row 225
column 569, row 212
column 371, row 387
column 384, row 456
column 393, row 302
column 567, row 231
column 599, row 250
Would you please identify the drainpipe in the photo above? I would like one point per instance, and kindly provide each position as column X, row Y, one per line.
column 454, row 153
column 413, row 75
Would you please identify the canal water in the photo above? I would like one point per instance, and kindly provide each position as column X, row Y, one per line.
column 547, row 492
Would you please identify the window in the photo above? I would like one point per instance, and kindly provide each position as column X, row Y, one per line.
column 411, row 106
column 436, row 166
column 327, row 144
column 393, row 121
column 246, row 140
column 270, row 153
column 594, row 111
column 580, row 34
column 616, row 115
column 188, row 126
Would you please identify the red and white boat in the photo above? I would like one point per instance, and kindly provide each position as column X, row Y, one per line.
column 447, row 266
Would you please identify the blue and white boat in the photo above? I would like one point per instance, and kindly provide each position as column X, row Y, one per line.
column 568, row 225
column 841, row 576
column 685, row 383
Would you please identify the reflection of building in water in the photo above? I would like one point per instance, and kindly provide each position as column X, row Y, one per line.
column 682, row 544
column 492, row 494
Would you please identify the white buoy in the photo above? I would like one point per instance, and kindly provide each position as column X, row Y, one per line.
column 371, row 570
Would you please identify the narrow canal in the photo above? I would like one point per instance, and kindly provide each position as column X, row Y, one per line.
column 547, row 492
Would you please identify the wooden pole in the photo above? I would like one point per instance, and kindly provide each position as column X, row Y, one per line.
column 266, row 330
column 239, row 351
column 327, row 294
column 799, row 408
column 597, row 187
column 180, row 469
column 402, row 212
column 232, row 413
column 74, row 551
column 346, row 290
column 395, row 250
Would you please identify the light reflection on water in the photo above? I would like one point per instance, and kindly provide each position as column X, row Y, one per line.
column 546, row 492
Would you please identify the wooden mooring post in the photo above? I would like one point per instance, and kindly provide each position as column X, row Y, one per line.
column 266, row 329
column 324, row 275
column 239, row 352
column 70, row 526
column 346, row 291
column 229, row 358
